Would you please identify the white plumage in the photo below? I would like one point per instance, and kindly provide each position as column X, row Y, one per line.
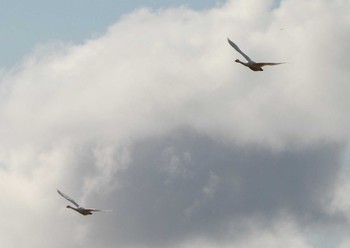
column 251, row 64
column 79, row 209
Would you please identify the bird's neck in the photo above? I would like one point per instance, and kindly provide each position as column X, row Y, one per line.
column 75, row 209
column 238, row 61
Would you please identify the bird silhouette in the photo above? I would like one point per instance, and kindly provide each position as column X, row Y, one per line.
column 79, row 209
column 251, row 64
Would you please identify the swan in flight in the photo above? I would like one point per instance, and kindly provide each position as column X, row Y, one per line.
column 251, row 64
column 79, row 209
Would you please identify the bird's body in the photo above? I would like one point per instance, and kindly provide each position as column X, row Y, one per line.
column 79, row 209
column 250, row 63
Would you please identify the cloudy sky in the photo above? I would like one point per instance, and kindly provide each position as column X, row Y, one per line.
column 139, row 107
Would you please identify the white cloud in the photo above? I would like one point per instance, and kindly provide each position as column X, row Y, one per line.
column 80, row 116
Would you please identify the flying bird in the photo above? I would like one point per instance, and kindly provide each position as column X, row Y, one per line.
column 79, row 209
column 251, row 64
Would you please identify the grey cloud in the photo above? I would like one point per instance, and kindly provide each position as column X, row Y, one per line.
column 156, row 206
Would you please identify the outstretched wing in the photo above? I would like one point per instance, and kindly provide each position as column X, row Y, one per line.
column 263, row 64
column 238, row 50
column 68, row 198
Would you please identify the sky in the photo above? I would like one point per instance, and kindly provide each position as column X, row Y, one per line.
column 140, row 108
column 27, row 24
